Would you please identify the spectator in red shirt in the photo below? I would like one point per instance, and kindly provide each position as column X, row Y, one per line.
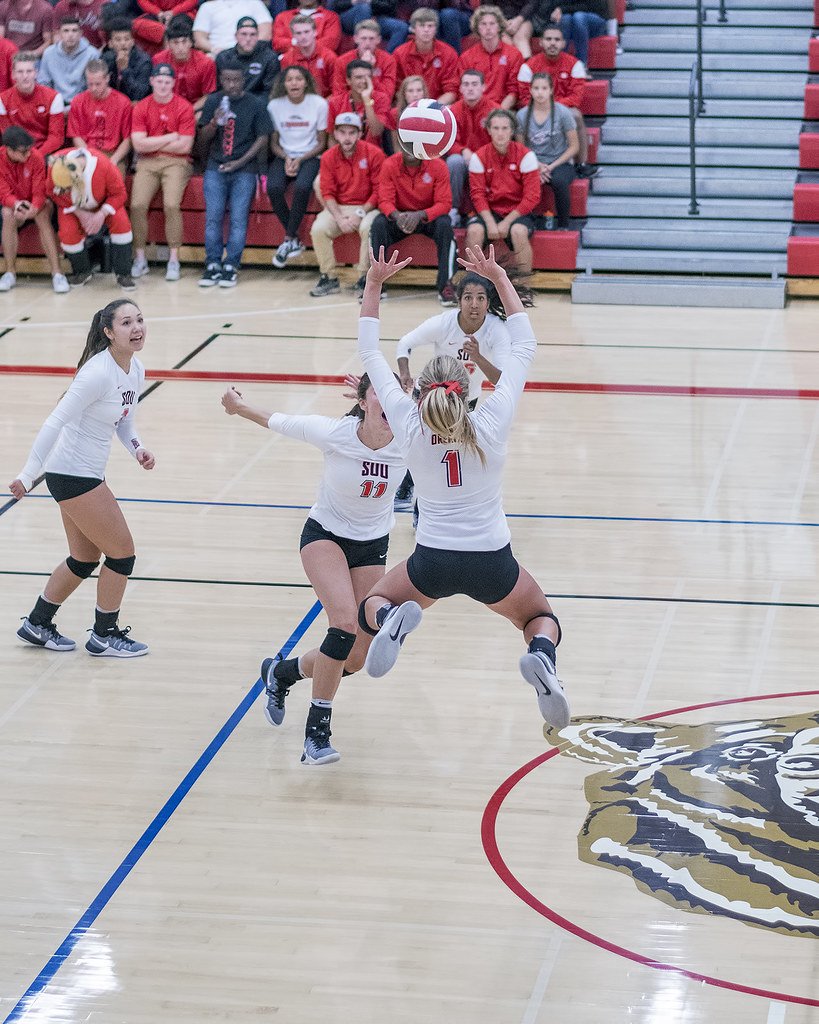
column 195, row 73
column 307, row 54
column 414, row 198
column 504, row 180
column 38, row 109
column 568, row 81
column 363, row 99
column 149, row 28
column 7, row 52
column 498, row 61
column 428, row 57
column 89, row 15
column 100, row 117
column 470, row 113
column 164, row 127
column 29, row 24
column 328, row 27
column 349, row 190
column 368, row 48
column 23, row 199
column 411, row 89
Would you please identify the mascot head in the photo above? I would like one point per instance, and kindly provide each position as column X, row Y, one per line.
column 67, row 170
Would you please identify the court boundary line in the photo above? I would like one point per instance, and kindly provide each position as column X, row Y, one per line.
column 27, row 1001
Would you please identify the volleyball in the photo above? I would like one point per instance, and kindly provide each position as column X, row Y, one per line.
column 427, row 129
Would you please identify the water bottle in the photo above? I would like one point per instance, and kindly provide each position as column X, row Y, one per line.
column 550, row 220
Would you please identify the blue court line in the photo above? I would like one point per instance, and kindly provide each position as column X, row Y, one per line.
column 509, row 515
column 98, row 904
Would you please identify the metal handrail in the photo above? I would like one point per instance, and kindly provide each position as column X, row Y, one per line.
column 699, row 62
column 694, row 87
column 723, row 14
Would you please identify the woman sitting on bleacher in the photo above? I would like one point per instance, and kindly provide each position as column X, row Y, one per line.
column 411, row 89
column 549, row 130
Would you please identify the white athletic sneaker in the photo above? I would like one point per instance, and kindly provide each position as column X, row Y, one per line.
column 386, row 646
column 60, row 284
column 116, row 645
column 537, row 669
column 139, row 268
column 7, row 281
column 173, row 271
column 282, row 254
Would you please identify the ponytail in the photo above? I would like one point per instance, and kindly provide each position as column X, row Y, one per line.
column 444, row 388
column 97, row 340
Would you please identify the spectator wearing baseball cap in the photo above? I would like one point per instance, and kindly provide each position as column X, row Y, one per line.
column 348, row 178
column 259, row 63
column 163, row 130
column 195, row 73
column 214, row 28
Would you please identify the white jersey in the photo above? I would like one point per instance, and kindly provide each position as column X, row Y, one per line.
column 76, row 437
column 218, row 18
column 459, row 499
column 447, row 339
column 356, row 491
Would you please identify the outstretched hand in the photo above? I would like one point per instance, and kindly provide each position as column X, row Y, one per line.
column 485, row 265
column 382, row 270
column 231, row 401
column 17, row 489
column 352, row 381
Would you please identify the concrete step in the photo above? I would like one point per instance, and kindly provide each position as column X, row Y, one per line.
column 648, row 205
column 661, row 61
column 719, row 40
column 650, row 132
column 692, row 262
column 660, row 290
column 707, row 156
column 661, row 183
column 654, row 106
column 707, row 235
column 726, row 85
column 667, row 17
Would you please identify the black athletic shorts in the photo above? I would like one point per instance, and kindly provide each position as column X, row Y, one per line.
column 62, row 486
column 357, row 552
column 485, row 576
column 526, row 220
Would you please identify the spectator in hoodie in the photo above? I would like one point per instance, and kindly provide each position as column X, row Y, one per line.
column 383, row 12
column 89, row 15
column 64, row 62
column 328, row 26
column 471, row 113
column 260, row 63
column 38, row 109
column 130, row 67
column 308, row 54
column 214, row 28
column 100, row 117
column 194, row 73
column 428, row 57
column 499, row 62
column 29, row 24
column 23, row 200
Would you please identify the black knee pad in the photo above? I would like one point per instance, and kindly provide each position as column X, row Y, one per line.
column 548, row 615
column 362, row 621
column 124, row 566
column 337, row 644
column 81, row 569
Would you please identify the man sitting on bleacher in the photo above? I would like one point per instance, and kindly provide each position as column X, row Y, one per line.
column 361, row 98
column 568, row 83
column 428, row 57
column 100, row 117
column 328, row 26
column 308, row 54
column 470, row 113
column 368, row 48
column 38, row 109
column 260, row 63
column 129, row 65
column 499, row 62
column 63, row 64
column 214, row 28
column 195, row 74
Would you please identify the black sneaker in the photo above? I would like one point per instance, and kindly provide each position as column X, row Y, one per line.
column 586, row 170
column 326, row 286
column 211, row 275
column 126, row 282
column 78, row 280
column 228, row 277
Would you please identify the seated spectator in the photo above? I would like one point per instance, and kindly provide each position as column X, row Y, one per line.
column 548, row 129
column 234, row 130
column 307, row 54
column 349, row 190
column 151, row 24
column 23, row 199
column 328, row 27
column 579, row 21
column 414, row 198
column 299, row 118
column 90, row 195
column 383, row 12
column 368, row 48
column 89, row 15
column 38, row 109
column 214, row 28
column 568, row 82
column 100, row 117
column 64, row 62
column 129, row 66
column 29, row 24
column 455, row 17
column 497, row 61
column 470, row 113
column 505, row 186
column 428, row 57
column 361, row 98
column 164, row 130
column 195, row 74
column 260, row 63
column 412, row 88
column 7, row 52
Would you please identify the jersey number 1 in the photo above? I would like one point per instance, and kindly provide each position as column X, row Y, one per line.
column 452, row 461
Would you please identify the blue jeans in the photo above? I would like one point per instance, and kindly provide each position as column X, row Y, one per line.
column 579, row 29
column 393, row 30
column 454, row 25
column 234, row 190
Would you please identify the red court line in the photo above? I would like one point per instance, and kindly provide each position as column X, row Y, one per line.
column 581, row 387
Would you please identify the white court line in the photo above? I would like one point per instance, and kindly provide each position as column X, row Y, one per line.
column 26, row 696
column 656, row 654
column 776, row 1013
column 530, row 1014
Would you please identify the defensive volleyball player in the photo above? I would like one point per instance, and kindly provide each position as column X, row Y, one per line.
column 343, row 548
column 73, row 447
column 457, row 459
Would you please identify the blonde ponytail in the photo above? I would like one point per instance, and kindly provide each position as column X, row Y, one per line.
column 443, row 405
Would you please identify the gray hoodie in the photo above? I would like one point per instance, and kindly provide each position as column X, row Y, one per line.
column 65, row 72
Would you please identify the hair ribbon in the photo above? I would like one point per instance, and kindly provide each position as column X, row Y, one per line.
column 452, row 387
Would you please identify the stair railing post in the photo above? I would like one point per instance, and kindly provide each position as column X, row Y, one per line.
column 701, row 93
column 723, row 14
column 693, row 208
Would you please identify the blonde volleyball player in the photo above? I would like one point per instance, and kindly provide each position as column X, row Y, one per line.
column 343, row 548
column 457, row 459
column 73, row 447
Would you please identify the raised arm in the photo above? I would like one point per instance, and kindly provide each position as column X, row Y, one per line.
column 315, row 430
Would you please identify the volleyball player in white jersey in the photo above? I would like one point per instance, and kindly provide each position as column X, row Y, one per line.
column 73, row 447
column 457, row 459
column 343, row 548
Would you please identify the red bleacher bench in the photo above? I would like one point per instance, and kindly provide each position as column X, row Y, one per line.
column 803, row 257
column 809, row 151
column 813, row 56
column 552, row 250
column 812, row 102
column 815, row 13
column 595, row 97
column 603, row 53
column 806, row 203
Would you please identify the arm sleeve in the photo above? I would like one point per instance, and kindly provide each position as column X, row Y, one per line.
column 398, row 407
column 498, row 411
column 423, row 334
column 531, row 184
column 376, row 163
column 127, row 433
column 477, row 184
column 44, row 71
column 38, row 182
column 56, row 128
column 315, row 430
column 450, row 78
column 282, row 36
column 386, row 193
column 329, row 33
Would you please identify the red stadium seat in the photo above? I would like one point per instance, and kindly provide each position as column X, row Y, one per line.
column 579, row 195
column 603, row 53
column 803, row 257
column 812, row 102
column 595, row 97
column 806, row 203
column 813, row 56
column 809, row 151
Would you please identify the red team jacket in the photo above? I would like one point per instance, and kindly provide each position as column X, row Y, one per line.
column 22, row 181
column 502, row 183
column 42, row 115
column 500, row 69
column 328, row 29
column 352, row 182
column 438, row 68
column 568, row 78
column 320, row 66
column 415, row 188
column 471, row 121
column 385, row 72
